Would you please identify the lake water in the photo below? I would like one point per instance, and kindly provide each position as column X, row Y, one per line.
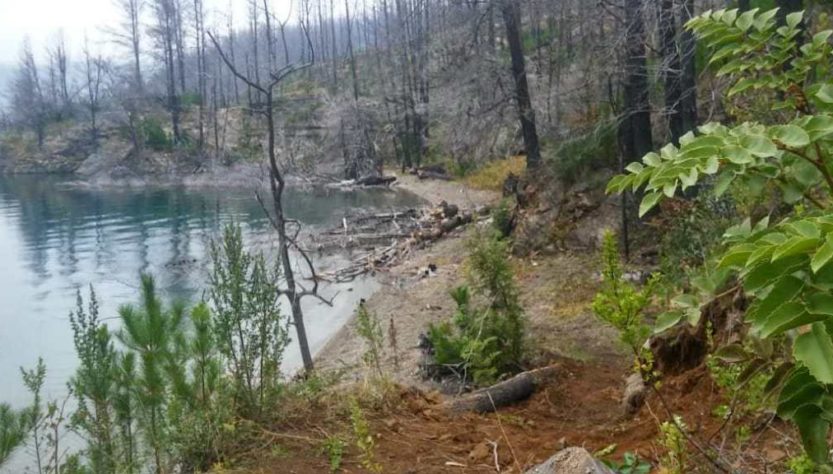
column 56, row 239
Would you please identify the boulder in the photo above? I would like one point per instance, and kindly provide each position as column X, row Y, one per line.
column 634, row 397
column 571, row 461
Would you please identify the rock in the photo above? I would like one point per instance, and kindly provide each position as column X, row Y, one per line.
column 774, row 455
column 480, row 452
column 634, row 396
column 449, row 210
column 571, row 461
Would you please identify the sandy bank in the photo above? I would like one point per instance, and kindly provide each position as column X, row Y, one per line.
column 406, row 300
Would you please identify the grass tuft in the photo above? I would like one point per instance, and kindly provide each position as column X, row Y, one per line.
column 492, row 176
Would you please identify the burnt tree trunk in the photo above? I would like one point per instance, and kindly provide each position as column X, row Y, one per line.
column 688, row 77
column 671, row 69
column 512, row 19
column 638, row 140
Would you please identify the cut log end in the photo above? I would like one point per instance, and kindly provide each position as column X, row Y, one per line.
column 508, row 392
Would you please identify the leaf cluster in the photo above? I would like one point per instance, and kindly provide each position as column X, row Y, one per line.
column 785, row 269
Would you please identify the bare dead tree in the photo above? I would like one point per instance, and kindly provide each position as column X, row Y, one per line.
column 199, row 36
column 94, row 68
column 353, row 71
column 671, row 68
column 511, row 19
column 130, row 36
column 688, row 77
column 27, row 99
column 287, row 238
column 166, row 36
column 636, row 132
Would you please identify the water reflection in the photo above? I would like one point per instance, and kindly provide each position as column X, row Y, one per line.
column 55, row 239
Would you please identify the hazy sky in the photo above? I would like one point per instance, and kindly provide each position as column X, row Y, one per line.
column 41, row 20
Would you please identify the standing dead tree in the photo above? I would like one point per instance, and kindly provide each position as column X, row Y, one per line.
column 94, row 69
column 293, row 291
column 512, row 20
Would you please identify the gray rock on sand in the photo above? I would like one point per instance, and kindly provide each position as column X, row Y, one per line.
column 571, row 461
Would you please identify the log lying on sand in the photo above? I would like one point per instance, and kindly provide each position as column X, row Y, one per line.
column 433, row 175
column 376, row 181
column 516, row 389
column 351, row 184
column 430, row 172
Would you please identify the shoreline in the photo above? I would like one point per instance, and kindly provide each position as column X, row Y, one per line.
column 406, row 302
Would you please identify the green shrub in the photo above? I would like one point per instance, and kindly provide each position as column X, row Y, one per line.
column 154, row 136
column 14, row 426
column 250, row 331
column 483, row 343
column 364, row 438
column 588, row 152
column 190, row 99
column 631, row 464
column 620, row 303
column 368, row 327
column 673, row 440
column 333, row 448
column 503, row 219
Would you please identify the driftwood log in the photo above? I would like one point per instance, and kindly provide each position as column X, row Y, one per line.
column 376, row 181
column 508, row 392
column 433, row 175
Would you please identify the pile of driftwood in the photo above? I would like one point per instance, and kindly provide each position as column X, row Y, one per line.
column 388, row 238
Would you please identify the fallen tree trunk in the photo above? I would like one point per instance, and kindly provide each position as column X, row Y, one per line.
column 433, row 175
column 376, row 181
column 508, row 392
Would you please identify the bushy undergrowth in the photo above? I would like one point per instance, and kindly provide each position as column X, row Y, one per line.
column 178, row 388
column 483, row 342
column 584, row 153
column 153, row 135
column 693, row 234
column 780, row 249
column 619, row 302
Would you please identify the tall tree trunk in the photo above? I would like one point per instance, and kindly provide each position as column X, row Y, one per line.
column 637, row 138
column 270, row 49
column 334, row 44
column 199, row 37
column 671, row 69
column 277, row 186
column 179, row 40
column 234, row 81
column 166, row 13
column 253, row 28
column 511, row 18
column 350, row 51
column 134, row 14
column 688, row 78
